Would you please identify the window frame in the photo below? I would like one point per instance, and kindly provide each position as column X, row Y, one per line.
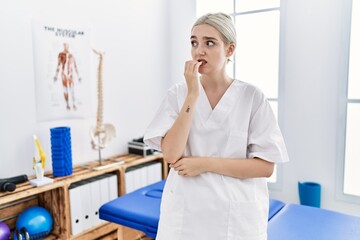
column 343, row 101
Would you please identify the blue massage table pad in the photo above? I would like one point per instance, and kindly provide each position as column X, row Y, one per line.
column 274, row 207
column 299, row 222
column 141, row 209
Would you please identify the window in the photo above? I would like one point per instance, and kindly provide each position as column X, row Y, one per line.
column 351, row 179
column 257, row 25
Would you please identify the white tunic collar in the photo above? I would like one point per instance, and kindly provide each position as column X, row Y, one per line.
column 216, row 116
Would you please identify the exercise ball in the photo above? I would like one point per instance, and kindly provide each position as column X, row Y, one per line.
column 36, row 220
column 4, row 231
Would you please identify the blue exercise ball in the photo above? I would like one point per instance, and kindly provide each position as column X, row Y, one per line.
column 4, row 231
column 36, row 220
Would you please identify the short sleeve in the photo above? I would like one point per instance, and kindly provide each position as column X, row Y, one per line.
column 163, row 120
column 265, row 139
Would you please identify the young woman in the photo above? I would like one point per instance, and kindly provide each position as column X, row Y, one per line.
column 221, row 139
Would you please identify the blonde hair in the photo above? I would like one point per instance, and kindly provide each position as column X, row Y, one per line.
column 221, row 22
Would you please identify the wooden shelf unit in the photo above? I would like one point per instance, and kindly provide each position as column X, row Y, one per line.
column 55, row 197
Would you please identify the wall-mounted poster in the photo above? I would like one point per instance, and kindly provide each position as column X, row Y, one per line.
column 62, row 71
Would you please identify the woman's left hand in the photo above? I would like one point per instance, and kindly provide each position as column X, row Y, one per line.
column 189, row 166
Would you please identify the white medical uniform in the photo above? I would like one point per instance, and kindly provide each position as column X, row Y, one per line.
column 213, row 206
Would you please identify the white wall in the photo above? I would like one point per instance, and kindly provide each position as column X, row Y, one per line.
column 314, row 63
column 134, row 35
column 182, row 16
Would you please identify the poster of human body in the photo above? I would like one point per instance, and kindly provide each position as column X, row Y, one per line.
column 62, row 71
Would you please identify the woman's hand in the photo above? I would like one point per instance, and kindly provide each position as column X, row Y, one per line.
column 189, row 166
column 191, row 73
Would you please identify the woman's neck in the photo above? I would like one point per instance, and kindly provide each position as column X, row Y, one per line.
column 215, row 81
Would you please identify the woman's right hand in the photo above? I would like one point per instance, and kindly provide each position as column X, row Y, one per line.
column 191, row 73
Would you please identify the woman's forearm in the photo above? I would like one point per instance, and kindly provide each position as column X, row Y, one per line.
column 232, row 167
column 241, row 168
column 174, row 142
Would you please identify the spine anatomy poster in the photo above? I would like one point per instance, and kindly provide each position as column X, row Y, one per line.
column 62, row 71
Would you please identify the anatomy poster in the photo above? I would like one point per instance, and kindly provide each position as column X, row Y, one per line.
column 62, row 71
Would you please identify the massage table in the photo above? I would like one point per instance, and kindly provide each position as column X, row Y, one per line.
column 299, row 222
column 140, row 209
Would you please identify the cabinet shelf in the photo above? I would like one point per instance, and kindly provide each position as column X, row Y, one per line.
column 55, row 196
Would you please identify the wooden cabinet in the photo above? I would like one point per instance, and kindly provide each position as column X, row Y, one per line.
column 55, row 198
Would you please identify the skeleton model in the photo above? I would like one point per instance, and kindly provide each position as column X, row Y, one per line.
column 101, row 134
